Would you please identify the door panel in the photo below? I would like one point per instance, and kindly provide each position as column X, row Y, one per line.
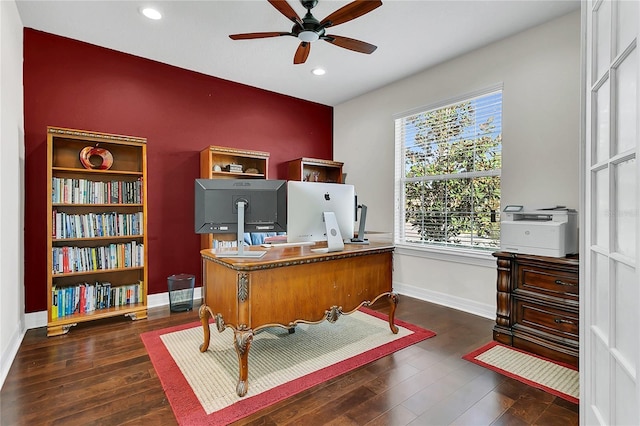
column 610, row 298
column 627, row 24
column 626, row 200
column 601, row 118
column 626, row 76
column 626, row 317
column 602, row 34
column 600, row 296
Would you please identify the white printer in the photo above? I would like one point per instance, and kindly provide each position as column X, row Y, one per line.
column 545, row 232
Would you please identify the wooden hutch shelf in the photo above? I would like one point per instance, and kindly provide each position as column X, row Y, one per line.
column 315, row 170
column 217, row 162
column 253, row 164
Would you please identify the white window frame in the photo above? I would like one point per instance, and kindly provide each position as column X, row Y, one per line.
column 468, row 255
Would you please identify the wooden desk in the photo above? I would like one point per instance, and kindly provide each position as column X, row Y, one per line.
column 291, row 285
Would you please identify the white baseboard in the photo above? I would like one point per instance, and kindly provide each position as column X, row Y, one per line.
column 162, row 299
column 466, row 305
column 35, row 320
column 12, row 349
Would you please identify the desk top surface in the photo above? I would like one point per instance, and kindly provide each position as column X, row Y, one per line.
column 289, row 255
column 572, row 259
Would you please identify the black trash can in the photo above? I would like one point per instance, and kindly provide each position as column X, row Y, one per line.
column 181, row 292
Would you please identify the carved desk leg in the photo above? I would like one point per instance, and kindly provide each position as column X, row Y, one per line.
column 205, row 313
column 242, row 343
column 393, row 302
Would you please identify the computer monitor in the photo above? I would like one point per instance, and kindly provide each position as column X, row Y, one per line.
column 308, row 201
column 236, row 206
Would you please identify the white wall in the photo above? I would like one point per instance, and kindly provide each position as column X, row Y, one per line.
column 540, row 72
column 12, row 156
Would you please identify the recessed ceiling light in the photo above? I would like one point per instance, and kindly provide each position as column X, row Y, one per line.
column 318, row 71
column 151, row 13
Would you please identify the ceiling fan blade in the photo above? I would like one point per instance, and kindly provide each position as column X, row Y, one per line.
column 351, row 11
column 350, row 43
column 248, row 36
column 286, row 9
column 302, row 53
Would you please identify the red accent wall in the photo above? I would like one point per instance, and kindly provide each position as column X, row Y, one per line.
column 72, row 84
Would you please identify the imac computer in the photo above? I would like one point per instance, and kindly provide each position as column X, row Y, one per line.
column 236, row 206
column 318, row 211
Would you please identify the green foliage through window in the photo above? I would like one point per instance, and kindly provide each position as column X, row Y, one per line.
column 449, row 182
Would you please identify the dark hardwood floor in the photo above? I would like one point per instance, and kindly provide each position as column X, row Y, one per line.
column 99, row 373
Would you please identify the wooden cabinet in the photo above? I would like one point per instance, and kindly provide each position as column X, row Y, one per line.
column 96, row 227
column 315, row 170
column 538, row 305
column 218, row 162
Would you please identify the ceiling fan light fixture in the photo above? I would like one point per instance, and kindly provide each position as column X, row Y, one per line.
column 151, row 13
column 308, row 29
column 308, row 36
column 318, row 71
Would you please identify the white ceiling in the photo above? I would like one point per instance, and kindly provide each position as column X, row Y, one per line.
column 411, row 36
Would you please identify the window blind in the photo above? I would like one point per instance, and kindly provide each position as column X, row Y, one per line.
column 447, row 173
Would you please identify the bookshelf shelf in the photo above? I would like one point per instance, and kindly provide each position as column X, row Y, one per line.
column 62, row 325
column 97, row 172
column 97, row 205
column 97, row 236
column 235, row 175
column 97, row 271
column 106, row 238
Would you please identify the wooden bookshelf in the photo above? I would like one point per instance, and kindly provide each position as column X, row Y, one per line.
column 315, row 170
column 217, row 162
column 97, row 228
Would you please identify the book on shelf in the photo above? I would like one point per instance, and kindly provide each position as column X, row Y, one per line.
column 85, row 298
column 235, row 168
column 69, row 259
column 54, row 302
column 83, row 191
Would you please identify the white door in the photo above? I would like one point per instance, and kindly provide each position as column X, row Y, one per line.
column 610, row 300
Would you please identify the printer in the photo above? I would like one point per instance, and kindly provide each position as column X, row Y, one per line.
column 545, row 232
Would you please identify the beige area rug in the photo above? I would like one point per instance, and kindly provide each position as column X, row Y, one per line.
column 201, row 387
column 558, row 379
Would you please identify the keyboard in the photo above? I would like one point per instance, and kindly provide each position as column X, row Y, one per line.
column 301, row 243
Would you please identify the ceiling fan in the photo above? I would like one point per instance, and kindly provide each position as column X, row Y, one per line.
column 309, row 29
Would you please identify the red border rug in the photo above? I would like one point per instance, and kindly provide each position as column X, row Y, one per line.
column 189, row 411
column 533, row 370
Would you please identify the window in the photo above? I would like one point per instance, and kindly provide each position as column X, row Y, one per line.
column 447, row 184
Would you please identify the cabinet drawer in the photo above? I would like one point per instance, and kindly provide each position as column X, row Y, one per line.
column 549, row 281
column 546, row 319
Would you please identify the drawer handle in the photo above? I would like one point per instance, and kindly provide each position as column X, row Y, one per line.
column 563, row 321
column 560, row 282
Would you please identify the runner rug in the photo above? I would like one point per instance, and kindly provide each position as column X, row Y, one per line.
column 201, row 387
column 558, row 379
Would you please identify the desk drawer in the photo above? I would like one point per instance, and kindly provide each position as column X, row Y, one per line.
column 549, row 281
column 546, row 319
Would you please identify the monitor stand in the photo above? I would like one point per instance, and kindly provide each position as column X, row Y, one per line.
column 334, row 237
column 360, row 239
column 241, row 252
